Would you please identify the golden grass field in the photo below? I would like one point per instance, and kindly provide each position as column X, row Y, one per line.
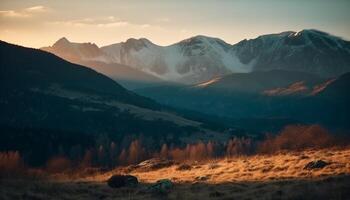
column 278, row 176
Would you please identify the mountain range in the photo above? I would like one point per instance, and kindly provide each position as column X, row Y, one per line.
column 201, row 58
column 272, row 76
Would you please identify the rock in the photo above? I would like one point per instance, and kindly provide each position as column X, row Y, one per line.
column 202, row 178
column 162, row 186
column 184, row 167
column 319, row 164
column 154, row 164
column 117, row 181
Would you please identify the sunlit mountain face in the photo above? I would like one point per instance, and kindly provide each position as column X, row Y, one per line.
column 174, row 100
column 89, row 54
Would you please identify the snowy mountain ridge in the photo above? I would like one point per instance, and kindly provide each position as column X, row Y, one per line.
column 201, row 58
column 192, row 60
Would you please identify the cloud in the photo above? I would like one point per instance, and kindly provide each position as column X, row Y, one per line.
column 26, row 12
column 107, row 22
column 101, row 22
column 36, row 9
column 113, row 24
column 12, row 13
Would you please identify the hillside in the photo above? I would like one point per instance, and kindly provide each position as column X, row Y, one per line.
column 279, row 176
column 42, row 94
column 309, row 50
column 30, row 69
column 276, row 94
column 259, row 82
column 91, row 55
column 126, row 76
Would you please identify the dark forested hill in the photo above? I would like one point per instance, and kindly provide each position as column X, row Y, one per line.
column 46, row 100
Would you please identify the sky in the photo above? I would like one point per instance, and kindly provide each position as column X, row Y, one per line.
column 38, row 23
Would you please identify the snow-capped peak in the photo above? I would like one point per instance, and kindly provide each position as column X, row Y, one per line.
column 193, row 60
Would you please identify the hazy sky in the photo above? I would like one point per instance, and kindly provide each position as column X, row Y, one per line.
column 38, row 23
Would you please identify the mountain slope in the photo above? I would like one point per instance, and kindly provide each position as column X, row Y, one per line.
column 264, row 95
column 127, row 76
column 258, row 82
column 77, row 51
column 40, row 70
column 309, row 51
column 191, row 61
column 90, row 55
column 40, row 90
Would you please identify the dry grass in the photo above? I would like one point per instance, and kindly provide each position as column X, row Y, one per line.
column 250, row 168
column 279, row 176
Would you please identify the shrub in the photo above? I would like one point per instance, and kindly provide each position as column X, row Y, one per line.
column 58, row 164
column 11, row 164
column 297, row 137
column 239, row 146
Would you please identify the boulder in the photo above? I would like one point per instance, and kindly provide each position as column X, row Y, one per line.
column 319, row 164
column 154, row 164
column 202, row 178
column 162, row 186
column 117, row 181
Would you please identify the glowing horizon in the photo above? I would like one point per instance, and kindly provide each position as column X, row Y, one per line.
column 38, row 23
